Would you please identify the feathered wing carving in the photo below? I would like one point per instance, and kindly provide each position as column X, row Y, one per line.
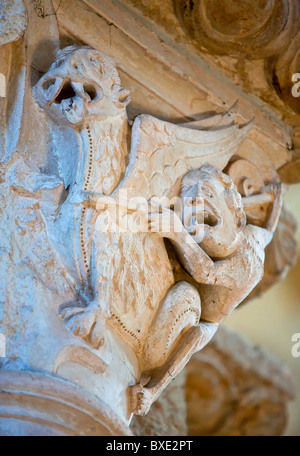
column 162, row 153
column 211, row 121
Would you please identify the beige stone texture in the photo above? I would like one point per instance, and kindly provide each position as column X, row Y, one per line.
column 145, row 152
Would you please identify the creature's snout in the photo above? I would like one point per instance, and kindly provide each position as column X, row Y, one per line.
column 56, row 90
column 81, row 83
column 70, row 96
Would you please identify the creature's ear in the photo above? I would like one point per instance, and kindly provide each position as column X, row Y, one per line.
column 121, row 96
column 124, row 97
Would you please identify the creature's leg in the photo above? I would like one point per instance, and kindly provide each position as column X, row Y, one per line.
column 173, row 338
column 180, row 310
column 194, row 340
column 85, row 318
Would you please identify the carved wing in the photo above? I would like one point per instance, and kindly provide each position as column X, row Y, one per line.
column 162, row 153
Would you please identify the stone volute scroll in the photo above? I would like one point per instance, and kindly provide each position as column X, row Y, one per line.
column 93, row 298
column 252, row 29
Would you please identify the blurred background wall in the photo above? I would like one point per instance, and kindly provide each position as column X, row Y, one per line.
column 271, row 320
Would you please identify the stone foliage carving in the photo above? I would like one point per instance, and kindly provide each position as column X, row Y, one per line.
column 89, row 300
column 245, row 393
column 241, row 392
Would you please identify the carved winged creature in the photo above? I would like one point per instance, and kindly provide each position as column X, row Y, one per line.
column 125, row 279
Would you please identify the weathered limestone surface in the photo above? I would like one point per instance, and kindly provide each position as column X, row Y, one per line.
column 133, row 38
column 244, row 392
column 13, row 20
column 104, row 298
column 259, row 50
column 34, row 404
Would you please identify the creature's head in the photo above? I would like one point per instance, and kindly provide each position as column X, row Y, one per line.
column 222, row 217
column 81, row 84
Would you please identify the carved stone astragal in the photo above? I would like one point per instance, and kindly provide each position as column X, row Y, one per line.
column 124, row 278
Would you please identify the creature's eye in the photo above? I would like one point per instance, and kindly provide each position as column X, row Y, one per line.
column 96, row 64
column 124, row 96
column 206, row 191
column 120, row 95
column 92, row 92
column 48, row 83
column 57, row 64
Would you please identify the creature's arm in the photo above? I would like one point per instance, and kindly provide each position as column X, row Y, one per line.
column 275, row 190
column 192, row 257
column 200, row 266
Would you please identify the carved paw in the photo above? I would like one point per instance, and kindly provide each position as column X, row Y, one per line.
column 141, row 400
column 84, row 323
column 165, row 222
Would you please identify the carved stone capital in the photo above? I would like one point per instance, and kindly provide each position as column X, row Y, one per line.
column 125, row 244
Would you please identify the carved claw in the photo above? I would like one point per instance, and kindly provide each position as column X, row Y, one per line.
column 79, row 321
column 81, row 324
column 66, row 313
column 141, row 400
column 85, row 322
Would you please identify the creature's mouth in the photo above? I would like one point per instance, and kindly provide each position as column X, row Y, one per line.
column 71, row 89
column 203, row 216
column 209, row 217
column 71, row 97
column 206, row 214
column 65, row 92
